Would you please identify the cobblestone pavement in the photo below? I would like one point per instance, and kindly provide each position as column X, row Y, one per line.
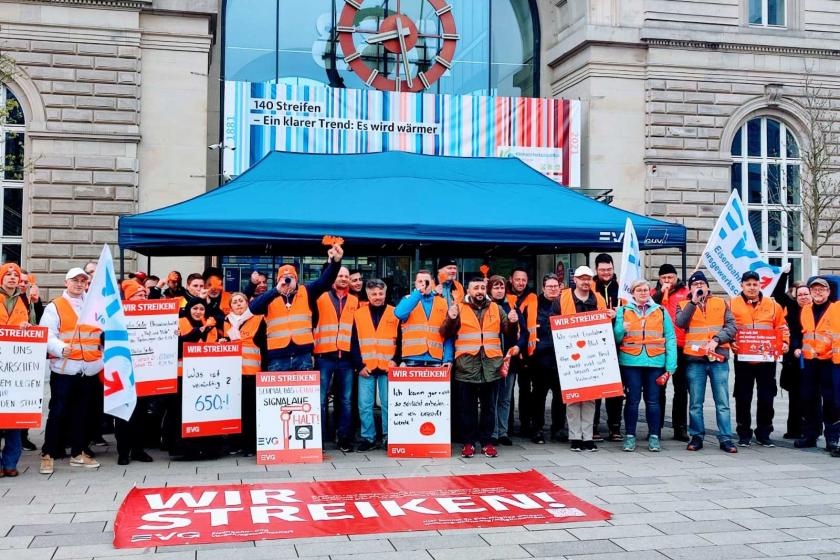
column 760, row 503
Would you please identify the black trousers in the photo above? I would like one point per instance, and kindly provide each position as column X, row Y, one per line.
column 545, row 380
column 69, row 415
column 526, row 396
column 790, row 381
column 475, row 426
column 248, row 438
column 96, row 419
column 614, row 406
column 129, row 434
column 679, row 408
column 762, row 376
column 821, row 399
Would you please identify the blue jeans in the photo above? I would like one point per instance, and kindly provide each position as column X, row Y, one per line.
column 11, row 449
column 367, row 396
column 422, row 363
column 297, row 362
column 503, row 404
column 637, row 380
column 342, row 371
column 718, row 373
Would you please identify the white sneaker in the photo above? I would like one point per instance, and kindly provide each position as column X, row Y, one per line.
column 82, row 460
column 47, row 465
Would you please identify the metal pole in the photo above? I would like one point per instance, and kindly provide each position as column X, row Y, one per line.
column 416, row 259
column 122, row 264
column 149, row 265
column 684, row 265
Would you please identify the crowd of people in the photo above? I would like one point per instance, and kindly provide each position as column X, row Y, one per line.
column 494, row 334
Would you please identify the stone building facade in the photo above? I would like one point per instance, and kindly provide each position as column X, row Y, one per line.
column 114, row 95
column 668, row 84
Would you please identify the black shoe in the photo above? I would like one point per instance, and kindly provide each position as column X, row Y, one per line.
column 123, row 460
column 805, row 443
column 562, row 437
column 366, row 446
column 791, row 435
column 89, row 452
column 141, row 456
column 696, row 444
column 504, row 440
column 744, row 442
column 835, row 452
column 728, row 447
column 538, row 438
column 765, row 442
column 28, row 445
column 577, row 445
column 589, row 446
column 681, row 434
column 248, row 453
column 345, row 446
column 596, row 436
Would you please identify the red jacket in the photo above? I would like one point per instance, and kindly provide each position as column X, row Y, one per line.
column 672, row 304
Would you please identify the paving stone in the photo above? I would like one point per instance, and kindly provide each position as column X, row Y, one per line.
column 797, row 547
column 95, row 550
column 9, row 543
column 348, row 547
column 280, row 550
column 649, row 518
column 493, row 553
column 71, row 539
column 782, row 522
column 799, row 511
column 614, row 532
column 710, row 552
column 572, row 548
column 734, row 514
column 403, row 555
column 33, row 554
column 432, row 542
column 696, row 527
column 812, row 533
column 659, row 542
column 530, row 537
column 833, row 520
column 747, row 537
column 638, row 555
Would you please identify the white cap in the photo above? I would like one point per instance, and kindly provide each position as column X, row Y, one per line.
column 73, row 272
column 584, row 271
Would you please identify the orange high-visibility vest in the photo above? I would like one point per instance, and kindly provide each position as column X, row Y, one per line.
column 20, row 314
column 420, row 334
column 289, row 324
column 646, row 333
column 821, row 341
column 567, row 302
column 767, row 315
column 704, row 325
column 528, row 306
column 185, row 328
column 251, row 357
column 473, row 336
column 84, row 340
column 333, row 333
column 377, row 345
column 224, row 302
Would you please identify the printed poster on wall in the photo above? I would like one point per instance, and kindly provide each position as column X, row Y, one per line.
column 289, row 417
column 153, row 337
column 587, row 361
column 262, row 117
column 23, row 368
column 212, row 389
column 419, row 412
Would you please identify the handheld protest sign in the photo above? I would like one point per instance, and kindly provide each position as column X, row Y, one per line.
column 419, row 411
column 153, row 337
column 23, row 368
column 289, row 417
column 211, row 398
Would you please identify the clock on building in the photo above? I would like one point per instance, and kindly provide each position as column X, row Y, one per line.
column 406, row 48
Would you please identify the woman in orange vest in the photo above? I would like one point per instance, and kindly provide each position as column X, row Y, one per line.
column 192, row 327
column 647, row 356
column 241, row 324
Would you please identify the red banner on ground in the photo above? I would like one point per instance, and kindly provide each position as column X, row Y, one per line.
column 247, row 512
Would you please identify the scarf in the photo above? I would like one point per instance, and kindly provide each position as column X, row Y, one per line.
column 237, row 321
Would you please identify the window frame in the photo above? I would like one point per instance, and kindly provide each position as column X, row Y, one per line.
column 765, row 206
column 12, row 184
column 765, row 14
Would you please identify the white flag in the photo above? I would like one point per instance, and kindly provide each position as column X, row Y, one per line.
column 732, row 251
column 631, row 262
column 103, row 309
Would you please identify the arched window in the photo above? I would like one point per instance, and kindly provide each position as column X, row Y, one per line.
column 11, row 176
column 765, row 172
column 295, row 42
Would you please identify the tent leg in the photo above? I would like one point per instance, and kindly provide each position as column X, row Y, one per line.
column 416, row 258
column 149, row 264
column 684, row 265
column 122, row 264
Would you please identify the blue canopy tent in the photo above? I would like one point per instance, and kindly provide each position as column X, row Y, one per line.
column 387, row 202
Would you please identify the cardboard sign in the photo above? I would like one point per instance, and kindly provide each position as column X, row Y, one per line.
column 289, row 417
column 153, row 337
column 418, row 412
column 758, row 345
column 248, row 512
column 587, row 361
column 211, row 399
column 23, row 368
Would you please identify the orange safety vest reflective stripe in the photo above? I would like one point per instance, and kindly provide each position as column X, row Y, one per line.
column 704, row 325
column 473, row 336
column 567, row 302
column 767, row 315
column 528, row 306
column 20, row 314
column 331, row 333
column 420, row 334
column 84, row 340
column 251, row 357
column 646, row 333
column 821, row 341
column 289, row 324
column 184, row 328
column 377, row 345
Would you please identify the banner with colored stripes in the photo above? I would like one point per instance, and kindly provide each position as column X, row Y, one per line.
column 261, row 117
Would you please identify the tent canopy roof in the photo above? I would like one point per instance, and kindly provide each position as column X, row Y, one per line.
column 383, row 201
